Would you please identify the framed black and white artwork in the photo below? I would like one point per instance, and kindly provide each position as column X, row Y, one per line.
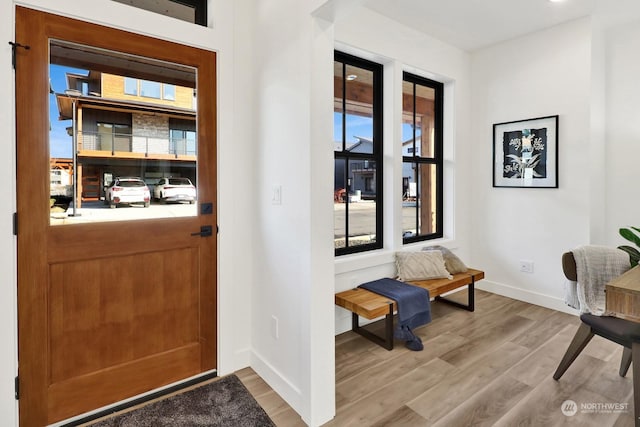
column 525, row 153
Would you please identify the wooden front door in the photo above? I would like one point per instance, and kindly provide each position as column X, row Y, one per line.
column 110, row 308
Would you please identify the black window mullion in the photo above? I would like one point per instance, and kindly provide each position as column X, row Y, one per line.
column 344, row 107
column 347, row 161
column 414, row 125
column 413, row 117
column 375, row 157
column 344, row 150
column 436, row 158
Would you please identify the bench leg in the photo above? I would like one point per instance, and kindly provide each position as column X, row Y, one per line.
column 387, row 340
column 471, row 305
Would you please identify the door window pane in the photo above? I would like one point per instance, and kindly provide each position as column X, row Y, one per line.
column 109, row 159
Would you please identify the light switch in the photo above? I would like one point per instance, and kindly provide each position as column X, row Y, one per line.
column 276, row 198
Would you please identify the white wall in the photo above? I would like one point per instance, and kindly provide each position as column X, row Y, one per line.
column 543, row 74
column 275, row 67
column 622, row 202
column 234, row 137
column 8, row 311
column 291, row 243
column 372, row 36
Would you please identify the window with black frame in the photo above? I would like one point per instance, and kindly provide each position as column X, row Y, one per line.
column 194, row 11
column 358, row 154
column 422, row 186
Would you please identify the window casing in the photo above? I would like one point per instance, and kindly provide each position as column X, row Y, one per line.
column 422, row 160
column 357, row 154
column 194, row 11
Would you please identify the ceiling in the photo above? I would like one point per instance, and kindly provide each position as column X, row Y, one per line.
column 475, row 24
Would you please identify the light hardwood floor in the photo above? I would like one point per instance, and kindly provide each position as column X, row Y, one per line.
column 489, row 367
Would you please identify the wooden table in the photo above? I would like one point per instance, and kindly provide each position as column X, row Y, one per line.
column 623, row 295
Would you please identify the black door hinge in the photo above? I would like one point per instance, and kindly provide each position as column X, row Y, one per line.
column 14, row 46
column 17, row 388
column 15, row 223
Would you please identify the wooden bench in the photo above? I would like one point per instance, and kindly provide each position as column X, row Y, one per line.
column 370, row 305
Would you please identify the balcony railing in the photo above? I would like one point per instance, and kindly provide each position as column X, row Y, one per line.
column 362, row 166
column 147, row 145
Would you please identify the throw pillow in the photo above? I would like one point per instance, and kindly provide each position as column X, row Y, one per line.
column 453, row 264
column 421, row 265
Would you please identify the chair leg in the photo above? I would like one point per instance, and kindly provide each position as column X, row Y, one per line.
column 625, row 362
column 579, row 342
column 635, row 356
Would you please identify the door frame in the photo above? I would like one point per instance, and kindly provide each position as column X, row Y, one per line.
column 31, row 317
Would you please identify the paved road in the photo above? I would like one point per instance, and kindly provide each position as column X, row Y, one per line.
column 362, row 218
column 98, row 212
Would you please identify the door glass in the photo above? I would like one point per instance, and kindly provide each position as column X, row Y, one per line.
column 117, row 153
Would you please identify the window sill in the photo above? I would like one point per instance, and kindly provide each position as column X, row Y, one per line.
column 361, row 261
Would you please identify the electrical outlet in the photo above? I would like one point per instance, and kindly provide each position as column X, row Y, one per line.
column 526, row 266
column 275, row 333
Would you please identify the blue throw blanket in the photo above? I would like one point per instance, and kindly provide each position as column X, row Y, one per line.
column 414, row 307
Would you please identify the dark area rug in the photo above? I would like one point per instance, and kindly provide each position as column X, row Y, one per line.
column 225, row 402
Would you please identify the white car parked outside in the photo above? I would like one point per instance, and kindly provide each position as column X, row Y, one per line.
column 127, row 190
column 175, row 190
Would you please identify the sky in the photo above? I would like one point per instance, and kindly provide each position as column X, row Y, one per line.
column 361, row 126
column 356, row 126
column 60, row 143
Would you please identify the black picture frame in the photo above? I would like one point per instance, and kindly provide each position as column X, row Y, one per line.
column 525, row 153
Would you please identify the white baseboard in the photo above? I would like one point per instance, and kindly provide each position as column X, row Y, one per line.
column 536, row 298
column 289, row 392
column 232, row 361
